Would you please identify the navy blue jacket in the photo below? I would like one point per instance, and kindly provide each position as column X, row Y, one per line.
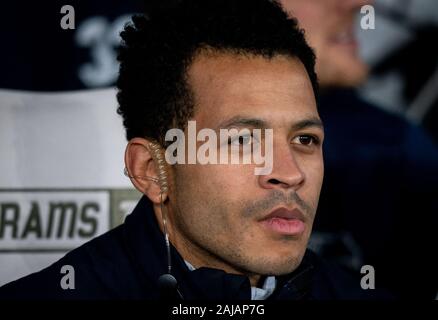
column 126, row 262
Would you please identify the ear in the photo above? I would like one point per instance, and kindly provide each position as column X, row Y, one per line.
column 140, row 165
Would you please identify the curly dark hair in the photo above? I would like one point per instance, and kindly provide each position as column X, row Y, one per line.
column 158, row 48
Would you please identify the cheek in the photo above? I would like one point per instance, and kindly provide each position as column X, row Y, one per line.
column 222, row 185
column 313, row 169
column 227, row 181
column 318, row 169
column 317, row 173
column 209, row 198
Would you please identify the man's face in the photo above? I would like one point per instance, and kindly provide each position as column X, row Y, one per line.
column 219, row 216
column 328, row 25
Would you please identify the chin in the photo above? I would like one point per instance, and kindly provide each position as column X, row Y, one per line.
column 278, row 265
column 285, row 267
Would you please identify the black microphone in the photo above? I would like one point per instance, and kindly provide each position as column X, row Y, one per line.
column 168, row 287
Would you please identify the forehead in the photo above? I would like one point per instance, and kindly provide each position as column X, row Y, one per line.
column 226, row 84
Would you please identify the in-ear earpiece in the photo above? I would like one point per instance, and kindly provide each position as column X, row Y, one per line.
column 161, row 166
column 159, row 159
column 126, row 173
column 167, row 282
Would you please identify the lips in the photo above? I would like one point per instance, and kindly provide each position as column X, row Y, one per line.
column 285, row 221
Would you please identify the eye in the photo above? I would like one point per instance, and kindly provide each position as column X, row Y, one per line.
column 306, row 140
column 240, row 140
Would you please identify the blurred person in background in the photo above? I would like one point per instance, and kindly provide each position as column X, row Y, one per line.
column 406, row 30
column 377, row 205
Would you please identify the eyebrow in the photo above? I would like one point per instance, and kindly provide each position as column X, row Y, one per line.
column 308, row 123
column 239, row 121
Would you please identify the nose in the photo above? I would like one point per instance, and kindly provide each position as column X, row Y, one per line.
column 286, row 172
